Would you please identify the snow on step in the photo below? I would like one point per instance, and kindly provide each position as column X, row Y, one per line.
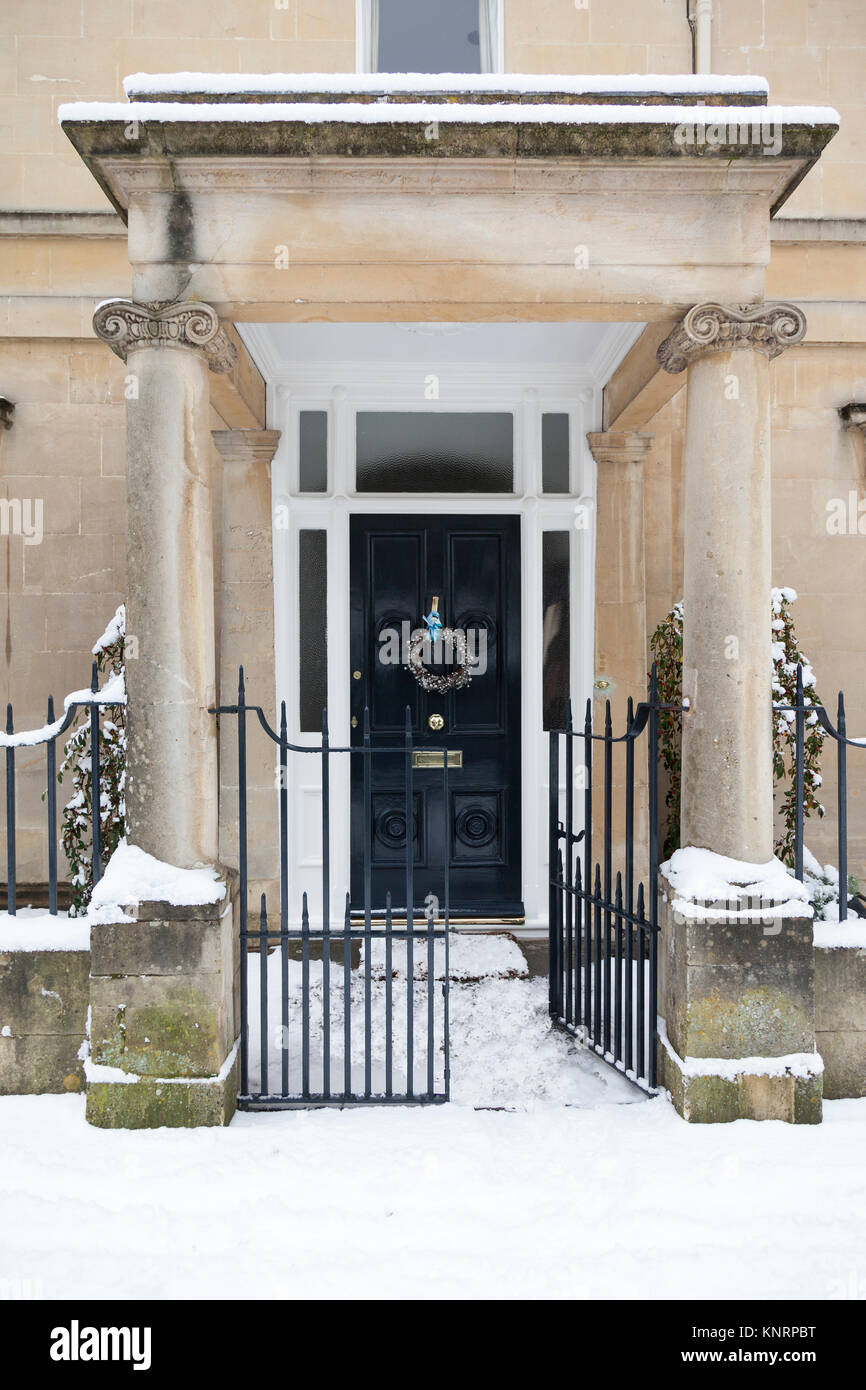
column 473, row 956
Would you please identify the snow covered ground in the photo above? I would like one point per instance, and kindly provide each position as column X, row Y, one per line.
column 581, row 1188
column 622, row 1200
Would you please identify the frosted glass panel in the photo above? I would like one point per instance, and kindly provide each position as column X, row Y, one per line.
column 313, row 627
column 441, row 451
column 313, row 451
column 556, row 659
column 554, row 454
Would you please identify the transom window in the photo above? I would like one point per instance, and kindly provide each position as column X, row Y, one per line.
column 429, row 35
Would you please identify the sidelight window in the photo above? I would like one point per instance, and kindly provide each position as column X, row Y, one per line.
column 313, row 627
column 556, row 631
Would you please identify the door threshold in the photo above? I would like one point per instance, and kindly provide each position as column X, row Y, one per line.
column 456, row 919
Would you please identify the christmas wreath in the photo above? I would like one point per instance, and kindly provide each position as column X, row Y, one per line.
column 457, row 678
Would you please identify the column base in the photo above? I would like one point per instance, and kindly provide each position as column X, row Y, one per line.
column 709, row 1090
column 146, row 1102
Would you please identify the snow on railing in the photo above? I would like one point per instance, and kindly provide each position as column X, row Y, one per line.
column 113, row 693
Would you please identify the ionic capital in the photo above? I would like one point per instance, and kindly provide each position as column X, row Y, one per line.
column 126, row 326
column 768, row 328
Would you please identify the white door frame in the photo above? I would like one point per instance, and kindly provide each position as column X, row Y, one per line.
column 342, row 388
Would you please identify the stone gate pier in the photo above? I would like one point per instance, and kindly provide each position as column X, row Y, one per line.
column 737, row 974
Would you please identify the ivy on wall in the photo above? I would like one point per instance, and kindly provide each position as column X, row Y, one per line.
column 666, row 644
column 77, row 826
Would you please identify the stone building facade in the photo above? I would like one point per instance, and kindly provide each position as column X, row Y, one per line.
column 286, row 274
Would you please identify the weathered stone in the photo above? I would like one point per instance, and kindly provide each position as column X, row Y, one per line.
column 840, row 1019
column 735, row 987
column 711, row 1099
column 165, row 1009
column 738, row 989
column 152, row 1104
column 43, row 1004
column 171, row 790
column 41, row 1063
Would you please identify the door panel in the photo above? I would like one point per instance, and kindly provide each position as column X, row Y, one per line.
column 473, row 564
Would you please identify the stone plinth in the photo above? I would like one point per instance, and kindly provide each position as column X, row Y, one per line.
column 43, row 1019
column 165, row 1007
column 737, row 991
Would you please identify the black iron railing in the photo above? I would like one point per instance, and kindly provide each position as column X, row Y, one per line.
column 603, row 927
column 361, row 1003
column 47, row 737
column 805, row 710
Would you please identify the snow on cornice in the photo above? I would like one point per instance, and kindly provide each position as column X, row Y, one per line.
column 500, row 113
column 221, row 83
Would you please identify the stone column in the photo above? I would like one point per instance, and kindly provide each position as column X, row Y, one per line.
column 620, row 603
column 171, row 792
column 736, row 954
column 727, row 777
column 246, row 633
column 164, row 982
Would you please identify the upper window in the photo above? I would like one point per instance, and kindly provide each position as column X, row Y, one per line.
column 429, row 35
column 434, row 451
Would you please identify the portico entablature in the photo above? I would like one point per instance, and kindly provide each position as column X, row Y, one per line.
column 455, row 210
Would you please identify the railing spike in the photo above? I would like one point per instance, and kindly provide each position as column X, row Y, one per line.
column 94, row 679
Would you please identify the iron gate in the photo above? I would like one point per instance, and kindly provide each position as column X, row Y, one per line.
column 603, row 928
column 346, row 1012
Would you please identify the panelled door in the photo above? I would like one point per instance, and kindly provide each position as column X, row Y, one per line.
column 472, row 563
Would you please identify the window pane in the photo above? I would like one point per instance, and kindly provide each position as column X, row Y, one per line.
column 313, row 627
column 554, row 454
column 556, row 658
column 429, row 36
column 441, row 451
column 313, row 451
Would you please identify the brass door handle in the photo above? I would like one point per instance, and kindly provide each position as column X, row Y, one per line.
column 435, row 722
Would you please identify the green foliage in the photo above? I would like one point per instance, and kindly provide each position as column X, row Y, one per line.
column 77, row 826
column 666, row 645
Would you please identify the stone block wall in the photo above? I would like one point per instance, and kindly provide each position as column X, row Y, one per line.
column 840, row 1018
column 44, row 997
column 810, row 52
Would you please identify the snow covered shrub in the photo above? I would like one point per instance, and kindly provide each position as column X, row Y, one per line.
column 666, row 644
column 77, row 828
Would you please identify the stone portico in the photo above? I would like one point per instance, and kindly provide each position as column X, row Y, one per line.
column 280, row 212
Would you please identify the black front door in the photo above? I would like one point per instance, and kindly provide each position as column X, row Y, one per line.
column 472, row 564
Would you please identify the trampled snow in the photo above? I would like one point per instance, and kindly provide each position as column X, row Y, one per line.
column 504, row 1051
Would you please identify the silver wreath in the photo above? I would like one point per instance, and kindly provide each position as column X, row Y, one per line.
column 457, row 678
